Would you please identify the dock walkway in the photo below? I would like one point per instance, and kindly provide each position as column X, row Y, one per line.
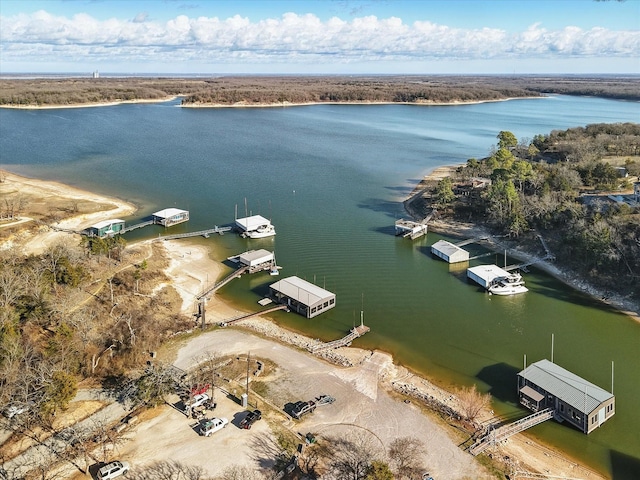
column 344, row 341
column 497, row 435
column 254, row 314
column 207, row 290
column 201, row 233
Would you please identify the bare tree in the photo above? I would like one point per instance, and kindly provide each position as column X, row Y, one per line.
column 472, row 401
column 406, row 454
column 173, row 470
column 351, row 456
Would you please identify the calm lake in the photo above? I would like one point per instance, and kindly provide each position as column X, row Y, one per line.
column 332, row 179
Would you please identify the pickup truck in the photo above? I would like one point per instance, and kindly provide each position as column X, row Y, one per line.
column 208, row 427
column 301, row 408
column 250, row 418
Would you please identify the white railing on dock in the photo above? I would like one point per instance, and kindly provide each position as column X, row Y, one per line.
column 203, row 233
column 495, row 436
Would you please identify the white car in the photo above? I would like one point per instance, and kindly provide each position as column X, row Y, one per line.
column 199, row 400
column 113, row 470
column 208, row 427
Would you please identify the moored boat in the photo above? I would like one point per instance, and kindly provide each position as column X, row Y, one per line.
column 511, row 285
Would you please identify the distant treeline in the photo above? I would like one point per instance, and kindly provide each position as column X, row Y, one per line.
column 267, row 90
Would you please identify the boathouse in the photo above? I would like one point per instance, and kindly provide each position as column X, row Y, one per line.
column 575, row 400
column 252, row 223
column 257, row 260
column 486, row 275
column 449, row 252
column 106, row 228
column 305, row 298
column 170, row 216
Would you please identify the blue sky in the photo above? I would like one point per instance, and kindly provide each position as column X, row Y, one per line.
column 320, row 36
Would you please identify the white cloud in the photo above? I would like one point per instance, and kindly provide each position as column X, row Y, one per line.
column 299, row 39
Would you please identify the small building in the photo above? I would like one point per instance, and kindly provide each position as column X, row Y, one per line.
column 584, row 405
column 106, row 228
column 305, row 298
column 255, row 226
column 257, row 260
column 486, row 275
column 449, row 252
column 170, row 216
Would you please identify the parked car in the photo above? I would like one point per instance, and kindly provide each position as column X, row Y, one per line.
column 113, row 470
column 198, row 400
column 208, row 427
column 300, row 408
column 250, row 418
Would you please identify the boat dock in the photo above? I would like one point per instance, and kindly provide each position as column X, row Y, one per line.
column 208, row 290
column 412, row 229
column 342, row 342
column 201, row 233
column 496, row 435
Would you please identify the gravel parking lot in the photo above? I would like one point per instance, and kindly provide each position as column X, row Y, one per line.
column 361, row 405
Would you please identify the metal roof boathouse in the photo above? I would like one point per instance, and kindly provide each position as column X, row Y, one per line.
column 584, row 405
column 449, row 252
column 305, row 298
column 170, row 216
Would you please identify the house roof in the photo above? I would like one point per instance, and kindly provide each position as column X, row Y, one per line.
column 577, row 392
column 169, row 212
column 301, row 290
column 448, row 248
column 106, row 223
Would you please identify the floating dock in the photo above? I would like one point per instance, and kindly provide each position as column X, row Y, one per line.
column 486, row 275
column 410, row 229
column 449, row 252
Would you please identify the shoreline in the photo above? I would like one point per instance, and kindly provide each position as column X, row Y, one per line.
column 189, row 267
column 259, row 105
column 88, row 105
column 455, row 228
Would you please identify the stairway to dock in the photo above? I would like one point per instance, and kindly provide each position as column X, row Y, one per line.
column 497, row 435
column 207, row 290
column 249, row 315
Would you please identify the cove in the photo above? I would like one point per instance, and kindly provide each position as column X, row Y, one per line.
column 332, row 179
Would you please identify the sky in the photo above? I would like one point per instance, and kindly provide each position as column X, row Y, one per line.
column 320, row 36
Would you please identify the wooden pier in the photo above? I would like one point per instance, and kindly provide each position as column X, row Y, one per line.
column 497, row 435
column 208, row 290
column 342, row 342
column 137, row 225
column 470, row 241
column 412, row 229
column 201, row 233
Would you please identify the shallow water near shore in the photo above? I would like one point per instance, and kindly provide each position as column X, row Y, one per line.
column 332, row 179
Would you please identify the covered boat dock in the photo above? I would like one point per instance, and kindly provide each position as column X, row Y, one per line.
column 304, row 297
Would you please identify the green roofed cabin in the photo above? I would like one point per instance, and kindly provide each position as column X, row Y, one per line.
column 584, row 405
column 170, row 216
column 106, row 228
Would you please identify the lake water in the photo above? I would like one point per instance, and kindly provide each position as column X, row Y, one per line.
column 332, row 179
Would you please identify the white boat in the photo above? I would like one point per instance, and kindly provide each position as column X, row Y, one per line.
column 511, row 285
column 261, row 232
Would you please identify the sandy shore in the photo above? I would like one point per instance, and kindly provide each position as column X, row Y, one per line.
column 87, row 105
column 303, row 104
column 109, row 207
column 191, row 269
